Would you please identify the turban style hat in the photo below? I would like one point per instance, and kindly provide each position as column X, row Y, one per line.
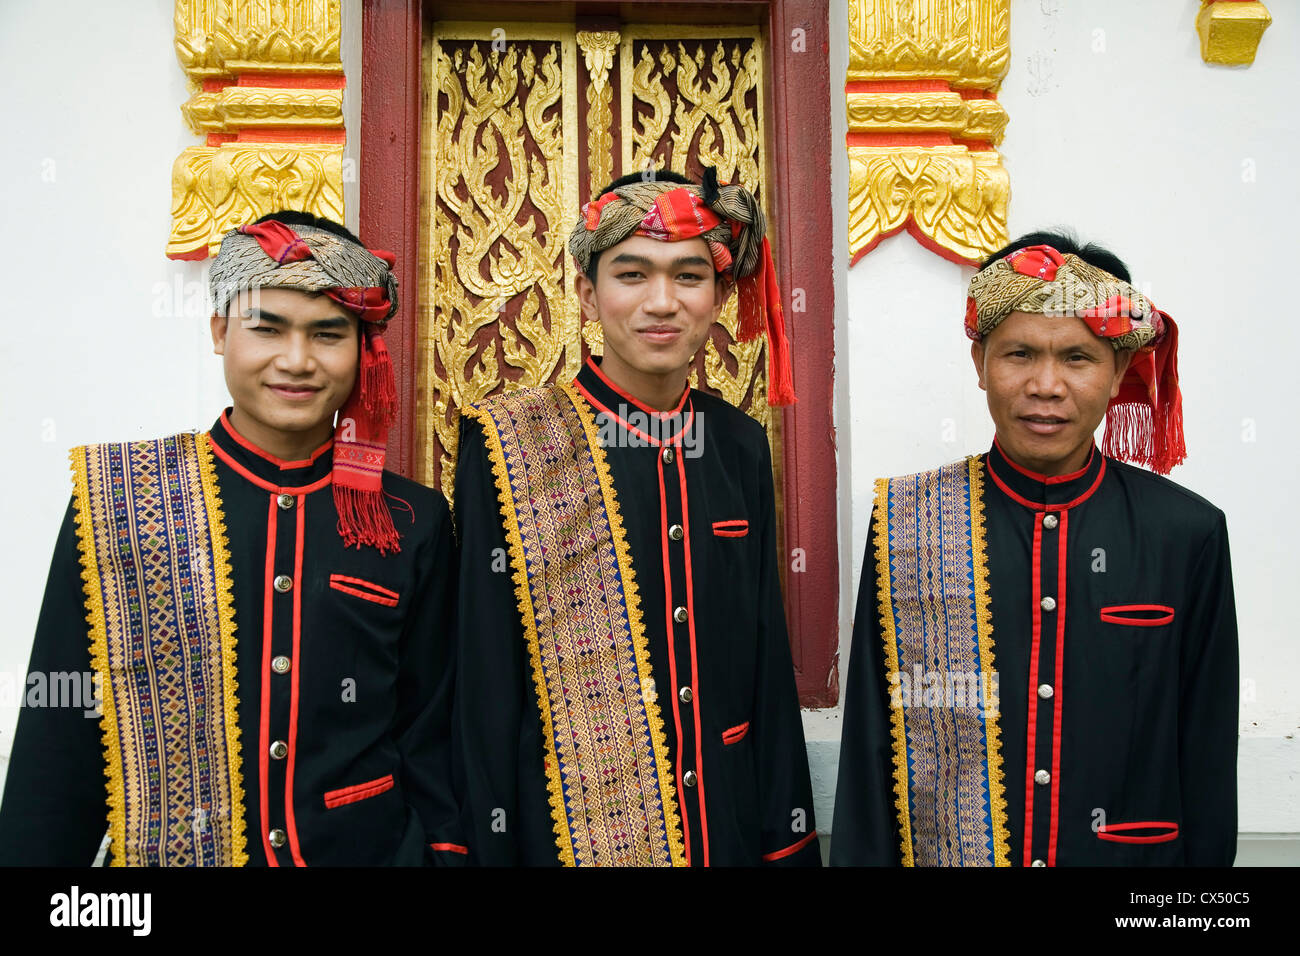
column 729, row 219
column 272, row 255
column 1144, row 423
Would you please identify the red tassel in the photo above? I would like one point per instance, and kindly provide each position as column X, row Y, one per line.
column 364, row 518
column 378, row 387
column 1128, row 435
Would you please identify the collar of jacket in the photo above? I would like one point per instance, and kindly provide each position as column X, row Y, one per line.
column 651, row 425
column 263, row 468
column 1040, row 492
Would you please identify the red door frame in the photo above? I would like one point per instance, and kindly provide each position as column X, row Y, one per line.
column 801, row 208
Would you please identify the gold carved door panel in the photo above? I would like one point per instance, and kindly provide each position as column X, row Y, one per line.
column 509, row 121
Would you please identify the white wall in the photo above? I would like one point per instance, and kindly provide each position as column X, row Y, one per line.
column 105, row 338
column 1186, row 171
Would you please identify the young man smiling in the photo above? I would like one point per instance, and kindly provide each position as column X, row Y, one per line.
column 1044, row 664
column 269, row 609
column 625, row 693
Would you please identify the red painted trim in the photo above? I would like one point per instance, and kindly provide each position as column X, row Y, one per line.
column 291, row 134
column 734, row 735
column 897, row 86
column 897, row 139
column 1038, row 505
column 791, row 849
column 297, row 81
column 1047, row 479
column 737, row 528
column 264, row 718
column 291, row 824
column 262, row 483
column 672, row 652
column 1115, row 615
column 278, row 462
column 1107, row 831
column 450, row 848
column 362, row 791
column 1031, row 723
column 695, row 666
column 802, row 248
column 385, row 597
column 1058, row 707
column 671, row 413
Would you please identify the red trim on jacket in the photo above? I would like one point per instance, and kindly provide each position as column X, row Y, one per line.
column 1031, row 723
column 365, row 589
column 1107, row 831
column 450, row 848
column 262, row 483
column 671, row 413
column 734, row 735
column 736, row 528
column 1038, row 505
column 264, row 718
column 358, row 792
column 278, row 462
column 695, row 667
column 672, row 653
column 1057, row 705
column 623, row 422
column 1048, row 479
column 290, row 824
column 792, row 848
column 1115, row 615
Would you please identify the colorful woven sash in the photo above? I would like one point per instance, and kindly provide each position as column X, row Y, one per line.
column 938, row 635
column 157, row 579
column 606, row 755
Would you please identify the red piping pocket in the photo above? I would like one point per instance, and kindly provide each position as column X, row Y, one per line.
column 362, row 791
column 372, row 592
column 1109, row 831
column 735, row 735
column 1127, row 614
column 736, row 528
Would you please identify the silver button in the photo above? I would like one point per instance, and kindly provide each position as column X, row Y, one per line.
column 281, row 664
column 689, row 779
column 279, row 750
column 1050, row 522
column 1045, row 691
column 668, row 456
column 1038, row 863
column 686, row 695
column 276, row 837
column 675, row 532
column 1042, row 777
column 1048, row 603
column 283, row 582
column 285, row 502
column 679, row 615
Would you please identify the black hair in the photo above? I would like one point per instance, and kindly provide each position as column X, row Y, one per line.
column 1066, row 243
column 649, row 175
column 293, row 217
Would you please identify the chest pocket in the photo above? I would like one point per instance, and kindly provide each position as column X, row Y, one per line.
column 1138, row 615
column 734, row 528
column 366, row 590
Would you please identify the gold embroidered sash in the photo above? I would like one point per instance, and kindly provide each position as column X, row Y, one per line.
column 932, row 592
column 156, row 573
column 607, row 766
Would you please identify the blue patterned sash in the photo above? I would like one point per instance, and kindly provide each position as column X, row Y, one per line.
column 157, row 579
column 932, row 593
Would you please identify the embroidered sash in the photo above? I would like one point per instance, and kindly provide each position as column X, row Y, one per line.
column 607, row 765
column 156, row 572
column 932, row 593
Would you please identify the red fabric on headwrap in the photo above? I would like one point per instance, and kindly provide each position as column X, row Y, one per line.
column 370, row 304
column 1144, row 422
column 278, row 241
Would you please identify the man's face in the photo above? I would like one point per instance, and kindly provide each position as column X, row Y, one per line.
column 1049, row 381
column 290, row 359
column 655, row 302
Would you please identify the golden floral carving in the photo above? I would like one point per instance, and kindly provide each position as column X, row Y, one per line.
column 966, row 42
column 245, row 106
column 1230, row 32
column 216, row 38
column 598, row 53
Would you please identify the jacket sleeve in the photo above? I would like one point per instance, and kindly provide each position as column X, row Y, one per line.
column 55, row 809
column 426, row 680
column 789, row 831
column 865, row 831
column 1208, row 709
column 500, row 776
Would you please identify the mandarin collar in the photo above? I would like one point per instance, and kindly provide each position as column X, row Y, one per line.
column 263, row 468
column 655, row 427
column 1040, row 492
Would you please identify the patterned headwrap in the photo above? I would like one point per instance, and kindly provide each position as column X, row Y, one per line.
column 730, row 220
column 1144, row 422
column 272, row 255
